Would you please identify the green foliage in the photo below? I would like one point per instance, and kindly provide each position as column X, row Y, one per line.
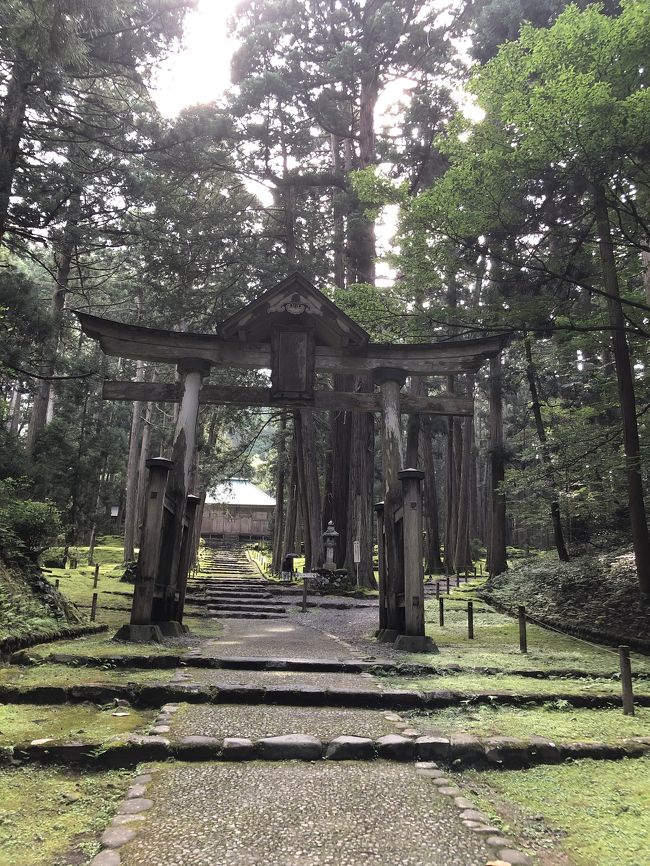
column 26, row 526
column 595, row 811
column 50, row 815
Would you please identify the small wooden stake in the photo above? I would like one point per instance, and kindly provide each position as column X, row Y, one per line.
column 480, row 566
column 93, row 607
column 523, row 639
column 56, row 583
column 304, row 594
column 448, row 586
column 458, row 580
column 437, row 589
column 441, row 611
column 470, row 620
column 96, row 575
column 626, row 680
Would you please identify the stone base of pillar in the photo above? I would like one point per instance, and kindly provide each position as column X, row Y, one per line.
column 139, row 634
column 387, row 635
column 411, row 643
column 171, row 628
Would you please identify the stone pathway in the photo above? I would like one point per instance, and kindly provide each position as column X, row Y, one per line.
column 296, row 814
column 292, row 808
column 276, row 640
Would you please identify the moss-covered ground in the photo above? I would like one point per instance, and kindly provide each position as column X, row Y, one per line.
column 595, row 812
column 53, row 817
column 555, row 720
column 46, row 674
column 496, row 640
column 472, row 683
column 25, row 608
column 85, row 722
column 596, row 591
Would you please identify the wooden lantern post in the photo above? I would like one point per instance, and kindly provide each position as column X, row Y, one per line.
column 141, row 627
column 413, row 639
column 187, row 552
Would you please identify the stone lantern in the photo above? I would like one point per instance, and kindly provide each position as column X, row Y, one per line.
column 329, row 539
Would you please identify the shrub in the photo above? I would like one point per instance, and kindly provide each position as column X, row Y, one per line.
column 27, row 527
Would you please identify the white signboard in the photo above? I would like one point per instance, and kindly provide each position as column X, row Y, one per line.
column 357, row 550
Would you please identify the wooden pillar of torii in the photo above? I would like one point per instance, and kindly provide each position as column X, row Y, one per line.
column 296, row 332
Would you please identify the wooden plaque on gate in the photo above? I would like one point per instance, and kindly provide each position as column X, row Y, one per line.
column 292, row 363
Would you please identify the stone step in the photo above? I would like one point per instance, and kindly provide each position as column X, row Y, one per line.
column 229, row 595
column 227, row 614
column 231, row 581
column 247, row 608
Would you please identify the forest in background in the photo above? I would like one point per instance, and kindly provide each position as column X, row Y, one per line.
column 532, row 220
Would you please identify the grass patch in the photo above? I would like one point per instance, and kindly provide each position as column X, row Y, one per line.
column 53, row 817
column 22, row 722
column 471, row 683
column 496, row 641
column 597, row 810
column 65, row 675
column 102, row 646
column 555, row 720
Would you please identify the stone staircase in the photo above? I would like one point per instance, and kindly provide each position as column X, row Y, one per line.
column 230, row 587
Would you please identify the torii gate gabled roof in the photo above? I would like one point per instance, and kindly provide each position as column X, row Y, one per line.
column 294, row 301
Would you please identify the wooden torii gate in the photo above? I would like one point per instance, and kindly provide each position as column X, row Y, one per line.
column 295, row 331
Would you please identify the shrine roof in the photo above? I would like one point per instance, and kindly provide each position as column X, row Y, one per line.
column 297, row 303
column 238, row 491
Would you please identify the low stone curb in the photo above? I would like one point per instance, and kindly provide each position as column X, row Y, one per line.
column 148, row 696
column 253, row 663
column 472, row 818
column 126, row 823
column 459, row 750
column 12, row 645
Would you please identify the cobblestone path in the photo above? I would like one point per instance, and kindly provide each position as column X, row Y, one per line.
column 290, row 812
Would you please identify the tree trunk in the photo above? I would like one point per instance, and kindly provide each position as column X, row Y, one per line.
column 417, row 388
column 11, row 130
column 640, row 537
column 135, row 443
column 338, row 224
column 497, row 562
column 461, row 550
column 303, row 526
column 645, row 261
column 391, row 463
column 314, row 520
column 531, row 375
column 66, row 253
column 292, row 501
column 365, row 253
column 12, row 424
column 278, row 524
column 433, row 559
column 142, row 473
column 360, row 492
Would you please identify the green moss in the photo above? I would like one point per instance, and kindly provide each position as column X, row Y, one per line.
column 598, row 809
column 554, row 720
column 496, row 641
column 24, row 610
column 22, row 722
column 471, row 683
column 53, row 817
column 64, row 675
